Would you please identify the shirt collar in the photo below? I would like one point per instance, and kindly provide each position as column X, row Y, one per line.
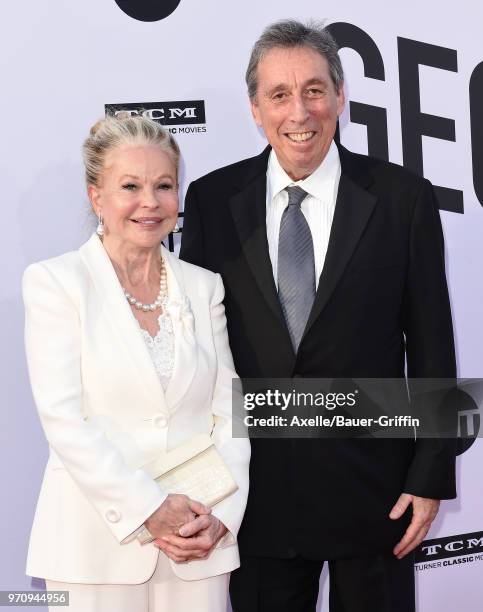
column 319, row 184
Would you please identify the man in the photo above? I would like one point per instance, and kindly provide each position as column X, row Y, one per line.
column 333, row 267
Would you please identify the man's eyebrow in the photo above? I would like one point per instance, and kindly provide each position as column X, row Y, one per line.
column 286, row 86
column 278, row 87
column 316, row 81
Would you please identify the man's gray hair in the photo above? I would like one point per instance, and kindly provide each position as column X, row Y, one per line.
column 290, row 33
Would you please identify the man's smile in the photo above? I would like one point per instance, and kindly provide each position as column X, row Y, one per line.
column 300, row 136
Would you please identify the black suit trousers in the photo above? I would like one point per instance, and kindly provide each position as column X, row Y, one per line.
column 379, row 583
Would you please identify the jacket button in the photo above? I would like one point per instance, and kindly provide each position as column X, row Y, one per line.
column 160, row 421
column 113, row 516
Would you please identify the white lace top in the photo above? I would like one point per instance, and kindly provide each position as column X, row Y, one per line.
column 161, row 347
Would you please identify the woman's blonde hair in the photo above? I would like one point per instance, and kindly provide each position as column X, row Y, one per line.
column 123, row 129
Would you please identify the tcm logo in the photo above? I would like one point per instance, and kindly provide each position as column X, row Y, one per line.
column 469, row 406
column 452, row 546
column 147, row 10
column 191, row 112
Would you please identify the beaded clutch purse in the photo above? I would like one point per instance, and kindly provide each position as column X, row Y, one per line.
column 195, row 469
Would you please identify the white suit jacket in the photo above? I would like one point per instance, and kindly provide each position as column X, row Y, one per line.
column 104, row 413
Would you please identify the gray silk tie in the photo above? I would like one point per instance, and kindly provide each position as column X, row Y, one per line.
column 296, row 266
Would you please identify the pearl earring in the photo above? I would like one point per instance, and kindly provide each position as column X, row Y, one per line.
column 100, row 227
column 176, row 228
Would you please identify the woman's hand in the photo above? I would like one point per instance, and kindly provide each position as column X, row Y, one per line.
column 173, row 513
column 196, row 539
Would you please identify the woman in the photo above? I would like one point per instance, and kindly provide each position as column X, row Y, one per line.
column 128, row 358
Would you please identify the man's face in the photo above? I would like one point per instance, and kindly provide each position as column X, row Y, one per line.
column 297, row 107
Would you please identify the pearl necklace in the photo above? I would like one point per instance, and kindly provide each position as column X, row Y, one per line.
column 163, row 292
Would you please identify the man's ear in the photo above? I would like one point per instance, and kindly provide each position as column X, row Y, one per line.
column 94, row 197
column 340, row 100
column 255, row 112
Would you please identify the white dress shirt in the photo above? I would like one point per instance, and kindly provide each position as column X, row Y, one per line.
column 318, row 207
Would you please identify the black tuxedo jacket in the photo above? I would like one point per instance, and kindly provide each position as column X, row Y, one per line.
column 382, row 298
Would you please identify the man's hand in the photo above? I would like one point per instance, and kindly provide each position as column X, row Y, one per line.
column 173, row 513
column 424, row 512
column 196, row 539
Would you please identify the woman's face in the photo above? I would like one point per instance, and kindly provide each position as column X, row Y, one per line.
column 137, row 197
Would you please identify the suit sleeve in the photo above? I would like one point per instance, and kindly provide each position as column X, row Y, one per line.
column 123, row 497
column 192, row 242
column 234, row 450
column 429, row 341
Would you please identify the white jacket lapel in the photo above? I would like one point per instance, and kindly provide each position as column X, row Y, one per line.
column 185, row 350
column 119, row 314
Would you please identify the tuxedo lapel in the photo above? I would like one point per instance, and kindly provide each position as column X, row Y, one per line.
column 353, row 209
column 124, row 325
column 248, row 210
